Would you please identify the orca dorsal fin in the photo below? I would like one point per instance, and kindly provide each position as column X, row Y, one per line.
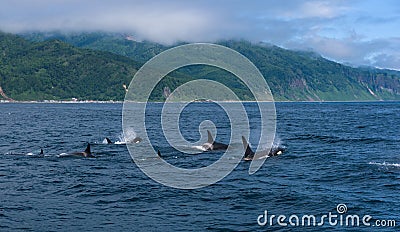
column 248, row 152
column 88, row 149
column 210, row 139
column 41, row 152
column 108, row 140
column 159, row 153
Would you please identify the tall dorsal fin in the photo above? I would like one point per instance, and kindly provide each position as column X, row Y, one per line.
column 248, row 153
column 210, row 139
column 159, row 153
column 88, row 149
column 41, row 152
column 108, row 141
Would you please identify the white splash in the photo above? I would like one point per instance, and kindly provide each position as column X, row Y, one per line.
column 276, row 144
column 385, row 164
column 200, row 148
column 129, row 136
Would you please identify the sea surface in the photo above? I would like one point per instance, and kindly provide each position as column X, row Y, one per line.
column 336, row 153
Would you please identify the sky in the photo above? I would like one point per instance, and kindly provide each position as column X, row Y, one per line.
column 354, row 32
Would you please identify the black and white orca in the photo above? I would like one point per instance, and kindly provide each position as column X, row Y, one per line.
column 41, row 153
column 211, row 145
column 87, row 153
column 135, row 140
column 250, row 154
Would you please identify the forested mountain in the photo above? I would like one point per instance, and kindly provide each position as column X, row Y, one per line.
column 56, row 70
column 96, row 65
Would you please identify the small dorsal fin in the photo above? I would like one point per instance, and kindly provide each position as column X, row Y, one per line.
column 41, row 152
column 88, row 149
column 159, row 153
column 248, row 152
column 108, row 141
column 210, row 139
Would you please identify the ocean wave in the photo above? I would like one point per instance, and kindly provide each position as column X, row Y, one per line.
column 385, row 164
column 336, row 139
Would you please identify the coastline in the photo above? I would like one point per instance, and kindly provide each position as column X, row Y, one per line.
column 121, row 102
column 59, row 102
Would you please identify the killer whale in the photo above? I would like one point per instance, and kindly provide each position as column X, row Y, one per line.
column 87, row 153
column 250, row 154
column 211, row 145
column 135, row 140
column 41, row 153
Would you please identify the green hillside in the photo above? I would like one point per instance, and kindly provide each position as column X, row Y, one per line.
column 95, row 66
column 295, row 75
column 292, row 75
column 56, row 70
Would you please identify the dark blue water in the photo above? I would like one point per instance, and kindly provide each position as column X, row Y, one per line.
column 336, row 153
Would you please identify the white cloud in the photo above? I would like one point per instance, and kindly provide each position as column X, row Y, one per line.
column 317, row 9
column 340, row 30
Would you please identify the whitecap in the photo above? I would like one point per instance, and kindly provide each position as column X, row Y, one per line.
column 201, row 148
column 385, row 164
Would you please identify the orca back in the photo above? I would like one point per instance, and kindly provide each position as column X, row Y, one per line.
column 219, row 146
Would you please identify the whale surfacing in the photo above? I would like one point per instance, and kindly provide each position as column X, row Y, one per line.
column 211, row 145
column 35, row 153
column 87, row 153
column 250, row 154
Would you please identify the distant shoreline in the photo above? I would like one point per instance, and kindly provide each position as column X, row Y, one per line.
column 121, row 102
column 59, row 102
